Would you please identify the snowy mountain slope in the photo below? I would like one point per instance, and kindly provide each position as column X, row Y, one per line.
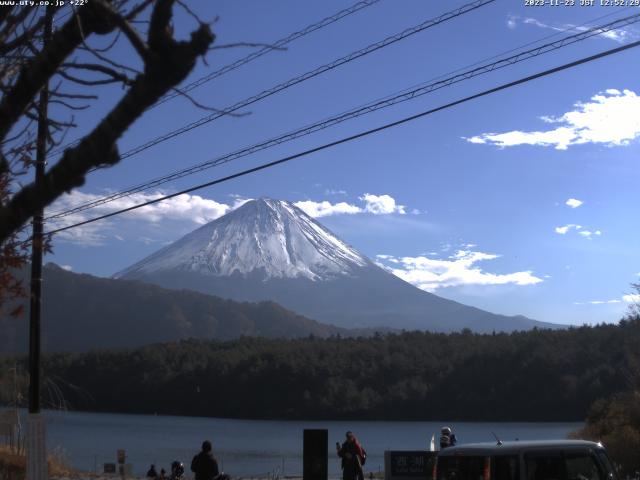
column 266, row 235
column 271, row 250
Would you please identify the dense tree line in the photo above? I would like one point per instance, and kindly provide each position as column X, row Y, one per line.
column 534, row 375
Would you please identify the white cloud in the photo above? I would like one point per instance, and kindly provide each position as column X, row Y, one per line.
column 564, row 229
column 183, row 211
column 148, row 240
column 459, row 269
column 188, row 209
column 512, row 22
column 620, row 35
column 589, row 234
column 574, row 202
column 631, row 298
column 374, row 204
column 610, row 118
column 330, row 191
column 599, row 302
column 68, row 268
column 381, row 204
column 325, row 208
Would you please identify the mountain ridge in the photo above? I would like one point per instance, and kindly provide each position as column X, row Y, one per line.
column 286, row 256
column 82, row 312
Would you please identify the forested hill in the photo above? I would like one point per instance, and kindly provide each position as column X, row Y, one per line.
column 536, row 375
column 81, row 312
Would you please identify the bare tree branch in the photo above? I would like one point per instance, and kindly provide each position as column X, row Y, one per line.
column 89, row 83
column 138, row 9
column 94, row 67
column 168, row 62
column 132, row 35
column 91, row 19
column 19, row 40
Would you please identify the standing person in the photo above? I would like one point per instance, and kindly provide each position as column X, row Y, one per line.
column 163, row 474
column 447, row 438
column 353, row 457
column 204, row 465
column 152, row 472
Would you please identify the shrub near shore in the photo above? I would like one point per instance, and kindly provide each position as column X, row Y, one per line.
column 13, row 465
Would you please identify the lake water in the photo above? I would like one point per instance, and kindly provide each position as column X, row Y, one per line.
column 252, row 447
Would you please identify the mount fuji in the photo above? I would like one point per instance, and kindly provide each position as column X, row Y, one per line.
column 271, row 250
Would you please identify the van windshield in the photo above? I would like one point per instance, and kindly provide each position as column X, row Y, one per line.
column 604, row 458
column 460, row 468
column 505, row 468
column 473, row 468
column 572, row 465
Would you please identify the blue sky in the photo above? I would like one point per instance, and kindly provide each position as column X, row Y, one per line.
column 469, row 203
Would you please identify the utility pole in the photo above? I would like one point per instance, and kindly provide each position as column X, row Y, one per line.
column 36, row 448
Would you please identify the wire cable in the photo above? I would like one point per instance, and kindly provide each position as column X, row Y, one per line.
column 278, row 44
column 357, row 112
column 308, row 75
column 263, row 51
column 356, row 136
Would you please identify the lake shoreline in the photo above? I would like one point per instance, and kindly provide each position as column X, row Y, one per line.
column 253, row 448
column 316, row 419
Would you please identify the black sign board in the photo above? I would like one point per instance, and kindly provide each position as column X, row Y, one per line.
column 315, row 454
column 412, row 463
column 110, row 468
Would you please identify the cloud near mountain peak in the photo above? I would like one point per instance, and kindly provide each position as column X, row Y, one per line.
column 459, row 269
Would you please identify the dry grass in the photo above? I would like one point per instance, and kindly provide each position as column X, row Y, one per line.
column 13, row 466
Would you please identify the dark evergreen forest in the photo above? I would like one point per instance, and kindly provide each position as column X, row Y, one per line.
column 535, row 375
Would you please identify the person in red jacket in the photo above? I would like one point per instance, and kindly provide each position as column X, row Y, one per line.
column 353, row 457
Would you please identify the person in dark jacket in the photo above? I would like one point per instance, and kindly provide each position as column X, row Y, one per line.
column 353, row 457
column 204, row 465
column 447, row 438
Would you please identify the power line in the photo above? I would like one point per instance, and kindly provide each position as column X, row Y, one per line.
column 263, row 51
column 310, row 74
column 357, row 112
column 572, row 28
column 365, row 133
column 278, row 44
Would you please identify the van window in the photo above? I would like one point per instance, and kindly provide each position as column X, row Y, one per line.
column 545, row 466
column 555, row 466
column 505, row 468
column 460, row 468
column 604, row 458
column 582, row 466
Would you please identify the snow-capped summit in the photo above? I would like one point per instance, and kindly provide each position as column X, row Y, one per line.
column 265, row 237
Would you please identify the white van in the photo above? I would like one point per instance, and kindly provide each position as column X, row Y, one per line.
column 525, row 460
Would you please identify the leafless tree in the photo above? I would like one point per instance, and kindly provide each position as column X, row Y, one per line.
column 26, row 69
column 76, row 62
